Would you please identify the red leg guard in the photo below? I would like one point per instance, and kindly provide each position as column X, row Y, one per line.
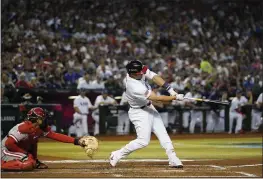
column 17, row 165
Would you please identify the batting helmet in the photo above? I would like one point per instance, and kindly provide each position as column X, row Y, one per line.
column 136, row 66
column 36, row 113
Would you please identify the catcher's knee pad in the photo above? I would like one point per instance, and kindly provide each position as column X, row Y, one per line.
column 17, row 165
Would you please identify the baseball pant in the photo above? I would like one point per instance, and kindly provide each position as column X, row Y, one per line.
column 7, row 155
column 123, row 123
column 81, row 123
column 256, row 119
column 239, row 120
column 16, row 161
column 196, row 118
column 164, row 116
column 186, row 116
column 220, row 124
column 148, row 120
column 171, row 117
column 96, row 117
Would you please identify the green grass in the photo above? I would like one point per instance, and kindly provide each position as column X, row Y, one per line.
column 185, row 149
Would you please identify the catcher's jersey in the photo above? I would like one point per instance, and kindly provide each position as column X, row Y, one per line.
column 24, row 140
column 83, row 104
column 137, row 92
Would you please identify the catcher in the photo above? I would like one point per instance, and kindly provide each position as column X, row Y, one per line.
column 19, row 147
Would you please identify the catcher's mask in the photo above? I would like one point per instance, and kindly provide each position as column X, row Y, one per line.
column 37, row 115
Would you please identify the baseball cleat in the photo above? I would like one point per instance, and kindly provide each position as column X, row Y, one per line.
column 177, row 166
column 114, row 159
column 176, row 163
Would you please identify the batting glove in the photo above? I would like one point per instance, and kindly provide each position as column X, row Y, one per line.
column 180, row 97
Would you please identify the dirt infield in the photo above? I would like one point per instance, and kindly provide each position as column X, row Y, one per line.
column 199, row 168
column 61, row 168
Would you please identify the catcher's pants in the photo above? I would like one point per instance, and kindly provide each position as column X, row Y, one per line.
column 7, row 155
column 16, row 161
column 148, row 120
column 256, row 119
column 196, row 118
column 96, row 117
column 123, row 123
column 164, row 116
column 239, row 118
column 81, row 123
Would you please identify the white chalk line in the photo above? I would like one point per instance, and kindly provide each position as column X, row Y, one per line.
column 117, row 175
column 251, row 165
column 247, row 174
column 217, row 167
column 125, row 160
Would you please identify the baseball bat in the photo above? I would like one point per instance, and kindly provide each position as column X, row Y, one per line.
column 208, row 101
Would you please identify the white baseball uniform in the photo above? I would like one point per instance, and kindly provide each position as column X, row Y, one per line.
column 123, row 118
column 196, row 117
column 80, row 121
column 256, row 114
column 95, row 115
column 187, row 114
column 146, row 119
column 235, row 113
column 215, row 122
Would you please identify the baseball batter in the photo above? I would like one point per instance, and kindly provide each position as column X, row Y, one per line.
column 235, row 112
column 19, row 147
column 143, row 115
column 82, row 105
column 103, row 99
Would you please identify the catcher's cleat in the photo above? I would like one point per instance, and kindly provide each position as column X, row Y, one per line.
column 40, row 165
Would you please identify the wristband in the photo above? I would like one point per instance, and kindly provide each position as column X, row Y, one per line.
column 167, row 86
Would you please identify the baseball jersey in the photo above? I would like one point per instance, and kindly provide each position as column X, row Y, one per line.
column 260, row 99
column 137, row 92
column 83, row 104
column 25, row 139
column 123, row 99
column 236, row 103
column 100, row 100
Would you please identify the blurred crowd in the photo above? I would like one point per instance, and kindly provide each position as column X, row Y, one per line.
column 213, row 46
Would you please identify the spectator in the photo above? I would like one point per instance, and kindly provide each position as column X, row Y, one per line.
column 84, row 82
column 177, row 84
column 4, row 99
column 71, row 77
column 22, row 83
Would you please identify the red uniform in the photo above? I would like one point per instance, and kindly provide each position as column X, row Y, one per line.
column 19, row 147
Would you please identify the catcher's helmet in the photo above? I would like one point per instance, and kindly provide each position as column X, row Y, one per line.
column 36, row 113
column 135, row 66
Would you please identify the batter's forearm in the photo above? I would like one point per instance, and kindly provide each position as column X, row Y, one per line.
column 158, row 80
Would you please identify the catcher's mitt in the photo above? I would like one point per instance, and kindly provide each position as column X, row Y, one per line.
column 90, row 144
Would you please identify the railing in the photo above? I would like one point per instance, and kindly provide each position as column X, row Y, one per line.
column 11, row 114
